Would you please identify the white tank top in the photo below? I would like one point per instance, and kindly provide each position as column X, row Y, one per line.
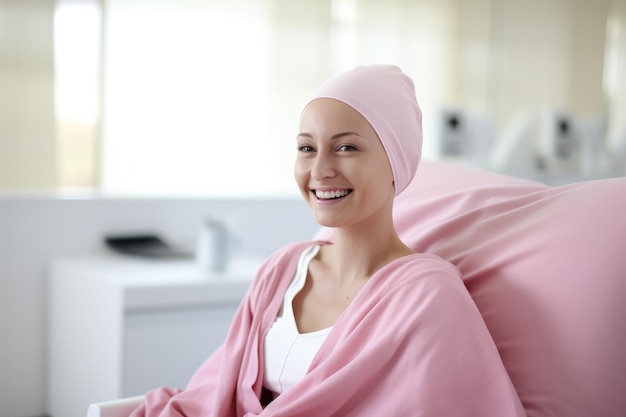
column 288, row 353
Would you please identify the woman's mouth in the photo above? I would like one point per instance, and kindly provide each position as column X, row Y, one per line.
column 331, row 195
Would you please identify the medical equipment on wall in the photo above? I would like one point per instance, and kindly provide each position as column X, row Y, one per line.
column 551, row 146
column 463, row 136
column 560, row 143
column 554, row 147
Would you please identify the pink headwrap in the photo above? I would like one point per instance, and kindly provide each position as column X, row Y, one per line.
column 385, row 97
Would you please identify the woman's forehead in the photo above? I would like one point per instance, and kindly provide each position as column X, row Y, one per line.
column 327, row 113
column 329, row 119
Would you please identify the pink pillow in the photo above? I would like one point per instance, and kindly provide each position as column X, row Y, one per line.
column 546, row 266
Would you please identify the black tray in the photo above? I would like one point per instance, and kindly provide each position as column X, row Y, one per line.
column 146, row 245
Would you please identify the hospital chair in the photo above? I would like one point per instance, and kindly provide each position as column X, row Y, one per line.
column 546, row 267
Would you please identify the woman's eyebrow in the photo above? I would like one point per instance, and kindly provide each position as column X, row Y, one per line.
column 342, row 134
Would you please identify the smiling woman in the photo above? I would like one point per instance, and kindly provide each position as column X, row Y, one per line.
column 346, row 328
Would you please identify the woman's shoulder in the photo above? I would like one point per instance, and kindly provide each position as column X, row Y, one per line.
column 422, row 261
column 422, row 268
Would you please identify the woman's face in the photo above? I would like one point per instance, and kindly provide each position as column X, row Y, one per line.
column 341, row 168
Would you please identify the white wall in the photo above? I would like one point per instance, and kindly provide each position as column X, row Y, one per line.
column 33, row 230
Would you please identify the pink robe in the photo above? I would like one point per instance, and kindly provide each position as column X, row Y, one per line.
column 412, row 343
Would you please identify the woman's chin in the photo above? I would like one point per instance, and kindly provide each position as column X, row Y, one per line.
column 325, row 221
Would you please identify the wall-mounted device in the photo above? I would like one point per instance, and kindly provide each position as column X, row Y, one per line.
column 560, row 143
column 453, row 138
column 463, row 136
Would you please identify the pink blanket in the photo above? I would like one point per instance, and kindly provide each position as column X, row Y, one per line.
column 412, row 343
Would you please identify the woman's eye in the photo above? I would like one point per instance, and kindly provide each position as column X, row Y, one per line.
column 305, row 148
column 347, row 148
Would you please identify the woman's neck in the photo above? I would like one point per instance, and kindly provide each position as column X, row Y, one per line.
column 359, row 252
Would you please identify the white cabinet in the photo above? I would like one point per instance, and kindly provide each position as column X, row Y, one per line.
column 120, row 326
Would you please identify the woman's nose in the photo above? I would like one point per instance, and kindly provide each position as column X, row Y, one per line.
column 322, row 168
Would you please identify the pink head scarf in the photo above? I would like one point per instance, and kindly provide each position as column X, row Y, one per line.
column 385, row 97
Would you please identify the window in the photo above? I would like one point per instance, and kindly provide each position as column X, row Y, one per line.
column 185, row 99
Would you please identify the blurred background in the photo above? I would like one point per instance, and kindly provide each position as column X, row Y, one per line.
column 202, row 97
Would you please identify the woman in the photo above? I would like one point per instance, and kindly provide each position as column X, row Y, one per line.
column 362, row 326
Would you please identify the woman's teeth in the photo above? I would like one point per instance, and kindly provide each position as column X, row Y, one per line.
column 327, row 195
